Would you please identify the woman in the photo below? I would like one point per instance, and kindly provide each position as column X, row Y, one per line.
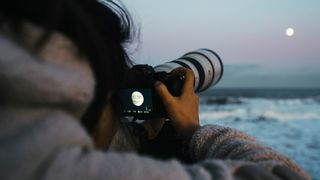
column 62, row 65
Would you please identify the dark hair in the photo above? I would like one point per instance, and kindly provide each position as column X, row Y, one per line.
column 99, row 29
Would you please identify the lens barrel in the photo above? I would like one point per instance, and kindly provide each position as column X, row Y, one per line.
column 205, row 64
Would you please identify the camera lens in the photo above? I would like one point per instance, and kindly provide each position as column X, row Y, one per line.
column 205, row 64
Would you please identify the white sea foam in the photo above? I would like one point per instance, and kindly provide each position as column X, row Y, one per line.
column 236, row 113
column 290, row 116
column 260, row 108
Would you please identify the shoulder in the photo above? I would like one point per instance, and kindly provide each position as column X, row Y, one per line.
column 29, row 137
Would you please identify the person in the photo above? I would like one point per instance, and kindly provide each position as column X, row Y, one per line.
column 62, row 65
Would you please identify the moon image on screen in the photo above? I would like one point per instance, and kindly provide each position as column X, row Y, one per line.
column 137, row 98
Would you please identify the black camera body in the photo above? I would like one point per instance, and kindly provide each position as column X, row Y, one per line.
column 139, row 96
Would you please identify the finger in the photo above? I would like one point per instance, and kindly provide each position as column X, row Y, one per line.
column 178, row 70
column 255, row 173
column 163, row 92
column 285, row 173
column 189, row 82
column 189, row 79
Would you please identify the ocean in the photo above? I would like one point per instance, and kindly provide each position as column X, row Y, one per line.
column 287, row 120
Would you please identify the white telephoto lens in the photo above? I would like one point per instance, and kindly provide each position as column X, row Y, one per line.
column 205, row 64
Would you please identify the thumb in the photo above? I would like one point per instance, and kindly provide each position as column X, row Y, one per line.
column 163, row 92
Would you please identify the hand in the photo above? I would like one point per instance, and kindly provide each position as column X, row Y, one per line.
column 106, row 127
column 153, row 127
column 183, row 110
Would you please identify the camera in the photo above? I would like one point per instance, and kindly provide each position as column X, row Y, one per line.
column 139, row 98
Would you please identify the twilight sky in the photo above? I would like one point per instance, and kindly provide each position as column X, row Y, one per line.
column 249, row 36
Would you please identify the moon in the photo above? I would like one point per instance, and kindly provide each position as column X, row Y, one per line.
column 290, row 32
column 137, row 98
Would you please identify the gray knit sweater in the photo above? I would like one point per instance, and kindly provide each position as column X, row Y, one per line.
column 41, row 137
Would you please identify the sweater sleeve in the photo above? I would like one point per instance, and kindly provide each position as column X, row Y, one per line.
column 231, row 145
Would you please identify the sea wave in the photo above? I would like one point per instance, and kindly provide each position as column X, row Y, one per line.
column 209, row 100
column 222, row 100
column 259, row 115
column 262, row 109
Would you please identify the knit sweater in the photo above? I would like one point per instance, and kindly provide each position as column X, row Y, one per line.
column 41, row 136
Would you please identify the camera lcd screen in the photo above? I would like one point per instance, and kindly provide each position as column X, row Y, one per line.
column 137, row 101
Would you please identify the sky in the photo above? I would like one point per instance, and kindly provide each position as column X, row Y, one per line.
column 249, row 36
